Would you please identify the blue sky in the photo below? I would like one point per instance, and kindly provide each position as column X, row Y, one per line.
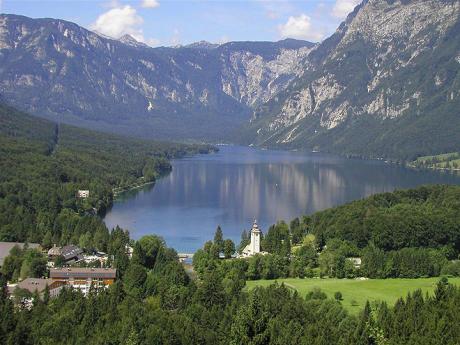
column 172, row 22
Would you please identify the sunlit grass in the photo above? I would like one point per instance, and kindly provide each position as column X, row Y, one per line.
column 355, row 293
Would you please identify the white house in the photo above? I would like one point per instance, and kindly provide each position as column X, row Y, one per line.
column 83, row 194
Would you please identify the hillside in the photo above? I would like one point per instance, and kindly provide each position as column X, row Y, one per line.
column 428, row 216
column 446, row 161
column 45, row 164
column 200, row 91
column 386, row 84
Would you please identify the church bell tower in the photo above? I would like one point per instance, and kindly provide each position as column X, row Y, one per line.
column 255, row 238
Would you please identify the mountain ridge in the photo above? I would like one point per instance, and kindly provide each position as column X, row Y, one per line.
column 162, row 92
column 385, row 84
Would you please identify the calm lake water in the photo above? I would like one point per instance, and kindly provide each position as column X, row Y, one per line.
column 239, row 184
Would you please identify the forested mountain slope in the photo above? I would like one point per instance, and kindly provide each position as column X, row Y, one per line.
column 386, row 84
column 428, row 216
column 43, row 165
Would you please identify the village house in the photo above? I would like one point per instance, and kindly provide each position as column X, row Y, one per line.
column 83, row 194
column 129, row 251
column 100, row 257
column 32, row 286
column 356, row 262
column 70, row 253
column 84, row 278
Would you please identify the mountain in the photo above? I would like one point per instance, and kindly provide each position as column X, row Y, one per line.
column 385, row 84
column 61, row 71
column 131, row 41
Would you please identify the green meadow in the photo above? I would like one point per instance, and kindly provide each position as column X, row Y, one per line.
column 355, row 293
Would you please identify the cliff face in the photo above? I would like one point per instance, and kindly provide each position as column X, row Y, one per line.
column 385, row 84
column 59, row 70
column 390, row 71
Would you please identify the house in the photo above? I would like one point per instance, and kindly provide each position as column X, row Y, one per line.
column 70, row 253
column 96, row 256
column 5, row 248
column 253, row 247
column 84, row 278
column 33, row 285
column 356, row 262
column 129, row 251
column 83, row 194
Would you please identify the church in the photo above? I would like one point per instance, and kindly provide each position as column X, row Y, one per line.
column 253, row 247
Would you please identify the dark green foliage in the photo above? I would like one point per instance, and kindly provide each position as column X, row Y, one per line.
column 428, row 216
column 452, row 269
column 21, row 264
column 245, row 240
column 338, row 296
column 45, row 164
column 229, row 248
column 219, row 239
column 404, row 234
column 277, row 240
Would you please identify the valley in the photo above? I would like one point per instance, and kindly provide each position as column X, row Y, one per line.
column 389, row 93
column 292, row 181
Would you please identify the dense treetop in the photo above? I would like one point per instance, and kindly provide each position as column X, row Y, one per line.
column 44, row 164
column 428, row 216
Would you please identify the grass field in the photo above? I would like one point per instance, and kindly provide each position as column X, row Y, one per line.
column 440, row 161
column 356, row 292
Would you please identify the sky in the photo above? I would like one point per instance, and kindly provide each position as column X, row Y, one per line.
column 174, row 22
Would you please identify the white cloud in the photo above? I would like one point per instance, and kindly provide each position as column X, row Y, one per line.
column 343, row 7
column 150, row 3
column 118, row 22
column 300, row 27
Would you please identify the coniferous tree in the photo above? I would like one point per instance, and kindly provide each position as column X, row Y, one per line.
column 219, row 239
column 229, row 248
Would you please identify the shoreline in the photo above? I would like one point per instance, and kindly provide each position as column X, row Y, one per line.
column 116, row 194
column 412, row 166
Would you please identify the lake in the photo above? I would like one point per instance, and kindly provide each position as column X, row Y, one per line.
column 233, row 187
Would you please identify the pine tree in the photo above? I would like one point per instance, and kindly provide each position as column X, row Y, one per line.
column 219, row 239
column 229, row 248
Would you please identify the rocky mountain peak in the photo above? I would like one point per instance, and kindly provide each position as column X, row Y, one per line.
column 131, row 41
column 389, row 61
column 91, row 80
column 202, row 45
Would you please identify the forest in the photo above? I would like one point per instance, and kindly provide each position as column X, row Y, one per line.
column 44, row 164
column 404, row 234
column 154, row 301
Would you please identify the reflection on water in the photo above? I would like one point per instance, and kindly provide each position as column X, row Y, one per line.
column 239, row 184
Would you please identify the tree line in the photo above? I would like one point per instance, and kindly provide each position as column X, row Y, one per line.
column 45, row 164
column 404, row 234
